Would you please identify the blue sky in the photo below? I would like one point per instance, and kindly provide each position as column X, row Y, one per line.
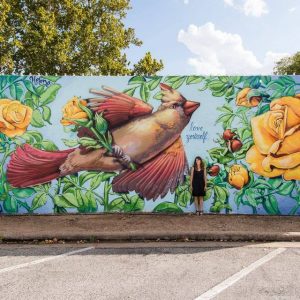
column 215, row 36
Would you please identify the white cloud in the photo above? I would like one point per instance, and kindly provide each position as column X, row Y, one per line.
column 292, row 9
column 186, row 1
column 255, row 8
column 229, row 2
column 218, row 52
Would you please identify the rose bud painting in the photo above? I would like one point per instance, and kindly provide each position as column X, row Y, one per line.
column 235, row 145
column 214, row 170
column 228, row 135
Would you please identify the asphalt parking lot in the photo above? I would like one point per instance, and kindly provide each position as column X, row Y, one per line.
column 191, row 270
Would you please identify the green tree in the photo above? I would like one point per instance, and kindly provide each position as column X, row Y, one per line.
column 68, row 37
column 147, row 66
column 288, row 65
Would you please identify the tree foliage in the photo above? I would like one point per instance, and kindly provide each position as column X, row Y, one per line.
column 68, row 37
column 147, row 66
column 288, row 65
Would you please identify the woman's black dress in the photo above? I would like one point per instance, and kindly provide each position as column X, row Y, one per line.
column 198, row 183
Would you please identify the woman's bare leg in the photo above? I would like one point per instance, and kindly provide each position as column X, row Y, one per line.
column 201, row 203
column 196, row 203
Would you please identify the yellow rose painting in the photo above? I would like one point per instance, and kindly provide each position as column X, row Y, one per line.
column 14, row 117
column 238, row 176
column 276, row 135
column 248, row 97
column 71, row 111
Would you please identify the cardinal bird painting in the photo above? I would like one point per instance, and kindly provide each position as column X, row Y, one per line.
column 117, row 133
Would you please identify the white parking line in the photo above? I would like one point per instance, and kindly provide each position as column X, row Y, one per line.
column 39, row 261
column 239, row 275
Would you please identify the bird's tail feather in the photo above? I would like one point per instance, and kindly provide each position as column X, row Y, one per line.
column 30, row 166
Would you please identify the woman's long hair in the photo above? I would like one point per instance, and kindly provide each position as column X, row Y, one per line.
column 201, row 163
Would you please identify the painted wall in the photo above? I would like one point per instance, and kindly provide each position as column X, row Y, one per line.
column 134, row 152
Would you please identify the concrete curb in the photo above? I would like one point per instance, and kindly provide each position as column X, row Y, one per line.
column 149, row 227
column 161, row 236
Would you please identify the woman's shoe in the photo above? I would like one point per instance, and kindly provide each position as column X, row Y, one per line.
column 201, row 212
column 198, row 212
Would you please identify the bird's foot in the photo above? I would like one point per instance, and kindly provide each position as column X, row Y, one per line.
column 123, row 158
column 68, row 167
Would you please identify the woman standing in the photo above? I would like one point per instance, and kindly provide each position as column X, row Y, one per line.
column 198, row 183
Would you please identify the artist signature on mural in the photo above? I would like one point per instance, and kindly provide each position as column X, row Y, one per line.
column 198, row 133
column 37, row 80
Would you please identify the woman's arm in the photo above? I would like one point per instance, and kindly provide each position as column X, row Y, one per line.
column 191, row 177
column 205, row 178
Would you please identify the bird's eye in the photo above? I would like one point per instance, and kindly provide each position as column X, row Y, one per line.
column 174, row 106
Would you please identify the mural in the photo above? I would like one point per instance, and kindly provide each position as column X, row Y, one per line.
column 124, row 144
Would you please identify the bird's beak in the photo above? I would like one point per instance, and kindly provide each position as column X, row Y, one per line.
column 165, row 87
column 189, row 107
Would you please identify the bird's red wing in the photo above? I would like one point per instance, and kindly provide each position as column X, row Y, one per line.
column 117, row 108
column 156, row 177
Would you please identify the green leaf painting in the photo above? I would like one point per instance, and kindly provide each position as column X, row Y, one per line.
column 113, row 145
